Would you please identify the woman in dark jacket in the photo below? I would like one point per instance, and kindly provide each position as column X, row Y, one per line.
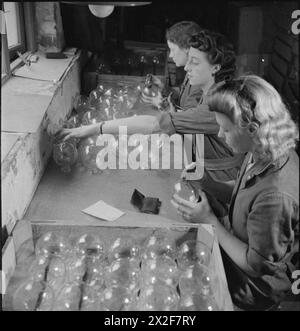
column 261, row 247
column 188, row 96
column 210, row 60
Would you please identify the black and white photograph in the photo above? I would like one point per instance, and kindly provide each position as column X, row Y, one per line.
column 150, row 158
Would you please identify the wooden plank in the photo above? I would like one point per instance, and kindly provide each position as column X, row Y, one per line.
column 24, row 165
column 23, row 113
column 7, row 142
column 130, row 44
column 23, row 239
column 8, row 264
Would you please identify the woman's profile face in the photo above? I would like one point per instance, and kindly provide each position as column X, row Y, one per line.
column 198, row 68
column 237, row 138
column 177, row 54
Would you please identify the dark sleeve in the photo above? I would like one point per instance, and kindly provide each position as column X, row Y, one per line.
column 271, row 227
column 191, row 97
column 175, row 94
column 195, row 120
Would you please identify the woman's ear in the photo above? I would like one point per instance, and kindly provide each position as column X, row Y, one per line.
column 217, row 68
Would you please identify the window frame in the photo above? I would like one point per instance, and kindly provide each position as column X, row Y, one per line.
column 21, row 47
column 28, row 43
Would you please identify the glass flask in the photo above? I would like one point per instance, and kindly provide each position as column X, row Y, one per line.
column 158, row 244
column 155, row 63
column 185, row 191
column 197, row 302
column 65, row 154
column 125, row 272
column 142, row 64
column 75, row 268
column 37, row 269
column 103, row 68
column 33, row 295
column 87, row 151
column 206, row 282
column 93, row 116
column 162, row 270
column 89, row 245
column 192, row 251
column 123, row 247
column 68, row 298
column 56, row 274
column 91, row 300
column 109, row 105
column 118, row 298
column 51, row 243
column 149, row 89
column 187, row 282
column 81, row 105
column 95, row 97
column 131, row 94
column 158, row 297
column 72, row 122
column 95, row 273
column 116, row 64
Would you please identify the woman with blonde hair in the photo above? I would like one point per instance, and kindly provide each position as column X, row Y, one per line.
column 260, row 248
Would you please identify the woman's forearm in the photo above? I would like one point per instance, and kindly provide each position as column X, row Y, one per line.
column 235, row 248
column 143, row 124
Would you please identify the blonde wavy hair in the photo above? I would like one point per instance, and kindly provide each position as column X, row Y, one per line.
column 253, row 103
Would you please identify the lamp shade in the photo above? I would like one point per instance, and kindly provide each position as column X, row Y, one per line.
column 101, row 10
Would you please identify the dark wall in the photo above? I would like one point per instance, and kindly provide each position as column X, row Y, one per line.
column 268, row 32
column 149, row 23
column 142, row 23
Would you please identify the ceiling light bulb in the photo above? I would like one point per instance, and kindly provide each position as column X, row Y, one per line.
column 101, row 10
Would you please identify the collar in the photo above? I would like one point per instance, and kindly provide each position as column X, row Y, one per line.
column 184, row 85
column 263, row 167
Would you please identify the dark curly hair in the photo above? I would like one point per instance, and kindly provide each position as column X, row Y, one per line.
column 218, row 50
column 181, row 32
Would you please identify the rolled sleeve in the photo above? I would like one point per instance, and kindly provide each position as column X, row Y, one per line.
column 271, row 230
column 192, row 121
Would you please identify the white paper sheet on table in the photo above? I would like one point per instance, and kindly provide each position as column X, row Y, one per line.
column 104, row 211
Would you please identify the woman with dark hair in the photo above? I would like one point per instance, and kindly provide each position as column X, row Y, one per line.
column 261, row 247
column 178, row 36
column 210, row 58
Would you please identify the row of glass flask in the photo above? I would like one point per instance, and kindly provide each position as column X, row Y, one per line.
column 85, row 274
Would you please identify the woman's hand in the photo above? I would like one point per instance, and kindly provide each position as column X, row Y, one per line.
column 200, row 212
column 172, row 108
column 155, row 101
column 157, row 81
column 81, row 132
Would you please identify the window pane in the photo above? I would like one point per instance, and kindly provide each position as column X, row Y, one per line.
column 12, row 23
